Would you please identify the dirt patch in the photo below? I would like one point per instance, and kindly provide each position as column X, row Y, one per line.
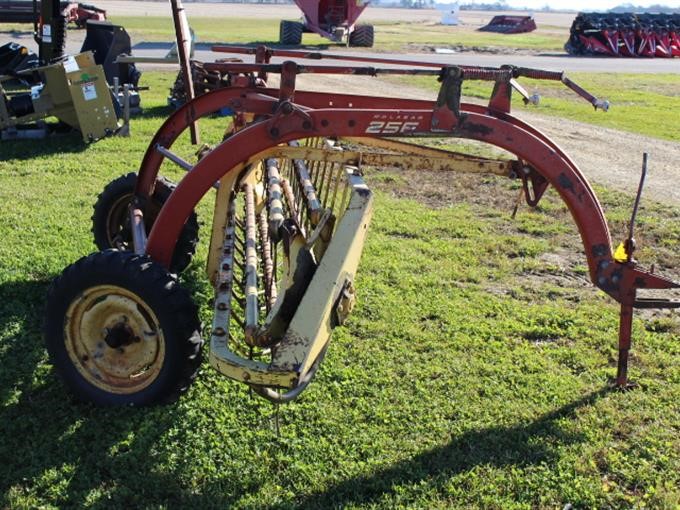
column 605, row 156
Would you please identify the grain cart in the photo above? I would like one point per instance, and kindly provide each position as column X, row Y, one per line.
column 291, row 215
column 332, row 19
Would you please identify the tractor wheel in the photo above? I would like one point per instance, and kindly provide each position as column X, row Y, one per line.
column 362, row 36
column 111, row 224
column 121, row 331
column 290, row 33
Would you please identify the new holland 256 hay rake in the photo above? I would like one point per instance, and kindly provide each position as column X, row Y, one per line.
column 291, row 215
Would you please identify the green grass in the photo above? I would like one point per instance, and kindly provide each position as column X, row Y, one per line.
column 401, row 36
column 640, row 103
column 388, row 36
column 472, row 373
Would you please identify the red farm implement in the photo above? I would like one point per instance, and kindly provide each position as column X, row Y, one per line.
column 504, row 24
column 332, row 19
column 291, row 215
column 625, row 35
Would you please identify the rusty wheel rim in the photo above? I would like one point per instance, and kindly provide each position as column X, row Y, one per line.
column 114, row 339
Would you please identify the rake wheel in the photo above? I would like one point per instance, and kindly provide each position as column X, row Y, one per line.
column 121, row 331
column 111, row 224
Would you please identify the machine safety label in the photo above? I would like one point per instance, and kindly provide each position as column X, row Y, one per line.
column 89, row 91
column 47, row 33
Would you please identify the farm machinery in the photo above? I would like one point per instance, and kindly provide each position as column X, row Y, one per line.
column 505, row 24
column 291, row 214
column 22, row 11
column 625, row 35
column 332, row 19
column 89, row 92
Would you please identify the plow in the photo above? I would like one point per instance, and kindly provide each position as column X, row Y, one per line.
column 625, row 35
column 291, row 214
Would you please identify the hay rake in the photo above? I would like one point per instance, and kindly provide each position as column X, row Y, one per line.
column 291, row 215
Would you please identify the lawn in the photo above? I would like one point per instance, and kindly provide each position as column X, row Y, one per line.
column 473, row 373
column 640, row 103
column 389, row 36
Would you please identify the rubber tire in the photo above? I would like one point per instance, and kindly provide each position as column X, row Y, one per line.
column 177, row 316
column 362, row 36
column 290, row 33
column 113, row 201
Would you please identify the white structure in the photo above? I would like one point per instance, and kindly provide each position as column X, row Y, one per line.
column 449, row 12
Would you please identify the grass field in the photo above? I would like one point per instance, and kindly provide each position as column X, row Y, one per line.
column 640, row 103
column 474, row 372
column 390, row 36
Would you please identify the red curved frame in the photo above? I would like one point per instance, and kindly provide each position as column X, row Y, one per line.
column 341, row 115
column 319, row 114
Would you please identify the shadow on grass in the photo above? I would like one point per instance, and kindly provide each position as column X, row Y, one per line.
column 72, row 454
column 67, row 452
column 58, row 143
column 520, row 445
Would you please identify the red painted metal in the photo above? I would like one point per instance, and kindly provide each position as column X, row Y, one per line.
column 510, row 24
column 287, row 114
column 321, row 16
column 625, row 35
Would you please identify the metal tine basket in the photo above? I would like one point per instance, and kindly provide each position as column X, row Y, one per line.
column 300, row 208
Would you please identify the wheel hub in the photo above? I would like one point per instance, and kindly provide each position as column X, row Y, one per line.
column 120, row 335
column 114, row 339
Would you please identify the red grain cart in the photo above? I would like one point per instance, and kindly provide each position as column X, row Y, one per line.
column 332, row 19
column 510, row 24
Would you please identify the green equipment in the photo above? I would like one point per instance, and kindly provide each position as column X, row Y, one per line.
column 74, row 91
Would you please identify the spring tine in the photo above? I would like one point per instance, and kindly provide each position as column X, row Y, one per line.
column 290, row 199
column 313, row 204
column 275, row 197
column 267, row 262
column 251, row 262
column 338, row 181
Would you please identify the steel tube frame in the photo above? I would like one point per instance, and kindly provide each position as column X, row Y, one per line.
column 338, row 115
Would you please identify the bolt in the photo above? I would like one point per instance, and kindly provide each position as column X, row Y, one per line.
column 222, row 306
column 274, row 132
column 306, row 125
column 219, row 332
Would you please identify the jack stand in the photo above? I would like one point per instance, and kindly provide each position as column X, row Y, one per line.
column 626, row 315
column 625, row 333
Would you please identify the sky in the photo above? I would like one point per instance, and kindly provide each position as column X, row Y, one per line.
column 587, row 5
